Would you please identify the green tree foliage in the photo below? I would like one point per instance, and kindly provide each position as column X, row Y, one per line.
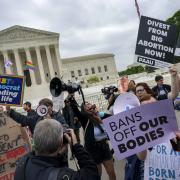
column 149, row 69
column 175, row 19
column 132, row 70
column 93, row 79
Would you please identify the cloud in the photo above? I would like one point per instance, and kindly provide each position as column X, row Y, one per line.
column 87, row 27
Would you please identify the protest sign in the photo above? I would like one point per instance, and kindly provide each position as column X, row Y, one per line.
column 162, row 163
column 125, row 102
column 13, row 144
column 58, row 102
column 142, row 127
column 11, row 90
column 156, row 43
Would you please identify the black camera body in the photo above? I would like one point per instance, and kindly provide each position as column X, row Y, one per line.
column 108, row 91
column 71, row 87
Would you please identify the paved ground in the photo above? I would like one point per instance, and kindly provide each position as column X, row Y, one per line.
column 119, row 165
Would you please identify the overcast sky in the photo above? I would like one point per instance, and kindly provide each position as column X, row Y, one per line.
column 87, row 26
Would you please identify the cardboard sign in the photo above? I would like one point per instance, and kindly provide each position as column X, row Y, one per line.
column 156, row 43
column 162, row 163
column 142, row 127
column 14, row 143
column 11, row 90
column 58, row 102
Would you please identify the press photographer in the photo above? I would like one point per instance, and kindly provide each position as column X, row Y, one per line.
column 45, row 163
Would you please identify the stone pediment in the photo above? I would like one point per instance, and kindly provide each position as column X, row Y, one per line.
column 23, row 33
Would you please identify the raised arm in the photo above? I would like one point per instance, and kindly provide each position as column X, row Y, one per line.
column 174, row 84
column 22, row 119
column 142, row 155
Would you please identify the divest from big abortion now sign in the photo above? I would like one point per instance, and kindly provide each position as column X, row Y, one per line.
column 162, row 163
column 156, row 43
column 140, row 128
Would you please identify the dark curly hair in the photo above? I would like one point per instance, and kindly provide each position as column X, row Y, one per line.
column 146, row 87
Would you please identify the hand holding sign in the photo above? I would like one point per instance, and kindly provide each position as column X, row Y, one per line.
column 11, row 90
column 142, row 127
column 155, row 43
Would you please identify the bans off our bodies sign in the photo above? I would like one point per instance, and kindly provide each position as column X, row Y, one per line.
column 140, row 128
column 11, row 90
column 156, row 43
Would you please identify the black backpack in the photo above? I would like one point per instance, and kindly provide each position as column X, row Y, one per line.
column 55, row 173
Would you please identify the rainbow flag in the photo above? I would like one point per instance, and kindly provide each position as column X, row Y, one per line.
column 8, row 63
column 29, row 65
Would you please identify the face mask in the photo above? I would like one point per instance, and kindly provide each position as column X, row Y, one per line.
column 101, row 114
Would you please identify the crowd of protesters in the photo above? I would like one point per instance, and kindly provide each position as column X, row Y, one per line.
column 53, row 132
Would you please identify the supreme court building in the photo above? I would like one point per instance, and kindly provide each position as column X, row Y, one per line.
column 20, row 44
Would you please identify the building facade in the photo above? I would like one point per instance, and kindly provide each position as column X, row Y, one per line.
column 84, row 67
column 20, row 44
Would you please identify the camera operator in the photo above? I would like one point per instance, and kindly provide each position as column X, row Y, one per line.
column 45, row 163
column 70, row 117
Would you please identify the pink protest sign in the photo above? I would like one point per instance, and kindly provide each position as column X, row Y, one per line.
column 140, row 128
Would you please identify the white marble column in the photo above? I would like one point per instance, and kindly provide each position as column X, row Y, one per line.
column 40, row 64
column 18, row 62
column 58, row 59
column 49, row 60
column 28, row 58
column 5, row 55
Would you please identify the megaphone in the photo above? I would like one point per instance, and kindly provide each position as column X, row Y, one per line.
column 56, row 87
column 42, row 110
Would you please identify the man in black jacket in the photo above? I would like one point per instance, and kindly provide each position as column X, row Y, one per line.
column 161, row 90
column 45, row 163
column 31, row 121
column 27, row 108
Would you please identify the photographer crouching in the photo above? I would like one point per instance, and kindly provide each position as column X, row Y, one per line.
column 45, row 163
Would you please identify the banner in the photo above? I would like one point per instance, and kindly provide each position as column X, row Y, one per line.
column 14, row 143
column 11, row 90
column 140, row 128
column 162, row 163
column 156, row 43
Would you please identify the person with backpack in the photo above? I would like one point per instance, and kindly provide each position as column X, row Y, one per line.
column 45, row 162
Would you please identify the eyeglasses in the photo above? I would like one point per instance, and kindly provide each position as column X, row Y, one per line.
column 139, row 90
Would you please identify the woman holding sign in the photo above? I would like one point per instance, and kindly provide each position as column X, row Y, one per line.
column 143, row 88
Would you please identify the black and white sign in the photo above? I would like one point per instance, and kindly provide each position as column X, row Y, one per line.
column 155, row 43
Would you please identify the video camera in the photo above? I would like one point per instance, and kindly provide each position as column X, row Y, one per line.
column 108, row 91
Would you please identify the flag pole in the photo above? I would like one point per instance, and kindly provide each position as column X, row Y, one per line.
column 137, row 9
